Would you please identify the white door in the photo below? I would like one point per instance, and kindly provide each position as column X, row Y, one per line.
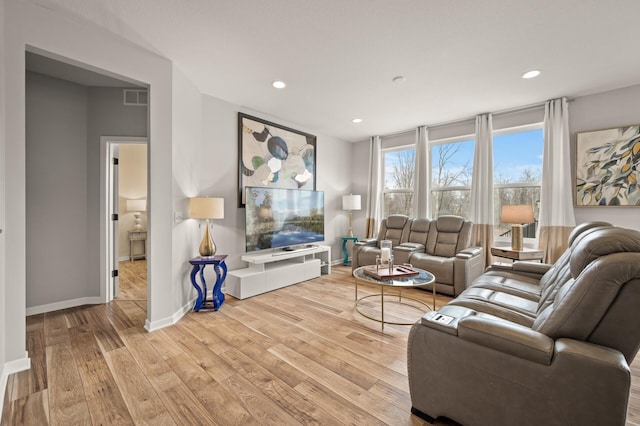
column 113, row 222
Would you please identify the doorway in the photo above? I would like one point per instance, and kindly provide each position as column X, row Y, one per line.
column 124, row 218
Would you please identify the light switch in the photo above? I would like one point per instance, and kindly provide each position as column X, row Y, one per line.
column 179, row 217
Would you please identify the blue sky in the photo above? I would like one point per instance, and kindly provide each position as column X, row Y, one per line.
column 512, row 153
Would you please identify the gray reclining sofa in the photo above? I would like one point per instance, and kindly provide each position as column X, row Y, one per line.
column 536, row 344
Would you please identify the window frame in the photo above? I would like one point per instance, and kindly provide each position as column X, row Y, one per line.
column 446, row 141
column 519, row 129
column 385, row 190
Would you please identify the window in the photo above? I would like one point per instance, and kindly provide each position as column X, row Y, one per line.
column 451, row 172
column 399, row 167
column 517, row 173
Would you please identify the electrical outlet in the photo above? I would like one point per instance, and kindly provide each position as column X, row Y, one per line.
column 179, row 217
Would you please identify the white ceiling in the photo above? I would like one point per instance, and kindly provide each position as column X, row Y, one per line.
column 338, row 57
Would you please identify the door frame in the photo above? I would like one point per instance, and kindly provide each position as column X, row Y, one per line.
column 106, row 194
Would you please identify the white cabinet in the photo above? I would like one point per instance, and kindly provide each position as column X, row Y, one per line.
column 277, row 269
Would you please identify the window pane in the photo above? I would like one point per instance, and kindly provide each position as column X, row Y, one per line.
column 399, row 169
column 398, row 203
column 515, row 196
column 450, row 202
column 517, row 157
column 452, row 164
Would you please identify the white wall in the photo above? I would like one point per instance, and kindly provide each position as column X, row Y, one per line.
column 615, row 108
column 54, row 34
column 3, row 299
column 217, row 175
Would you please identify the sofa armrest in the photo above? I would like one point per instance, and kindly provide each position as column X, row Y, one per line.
column 531, row 267
column 367, row 242
column 507, row 337
column 402, row 253
column 468, row 265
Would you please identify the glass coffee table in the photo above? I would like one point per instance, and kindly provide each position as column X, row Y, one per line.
column 422, row 279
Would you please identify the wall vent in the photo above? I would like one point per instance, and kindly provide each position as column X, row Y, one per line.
column 135, row 97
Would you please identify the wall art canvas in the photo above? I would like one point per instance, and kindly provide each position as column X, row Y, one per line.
column 271, row 155
column 608, row 167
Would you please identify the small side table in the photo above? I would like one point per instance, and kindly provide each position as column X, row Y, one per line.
column 217, row 296
column 524, row 254
column 345, row 261
column 137, row 235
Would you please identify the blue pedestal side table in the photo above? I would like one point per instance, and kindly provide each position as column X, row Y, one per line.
column 217, row 296
column 345, row 261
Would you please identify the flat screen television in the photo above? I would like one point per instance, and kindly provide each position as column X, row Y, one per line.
column 277, row 217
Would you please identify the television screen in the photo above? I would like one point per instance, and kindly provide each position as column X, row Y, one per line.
column 277, row 217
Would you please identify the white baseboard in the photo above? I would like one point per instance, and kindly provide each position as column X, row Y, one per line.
column 124, row 258
column 34, row 310
column 8, row 369
column 165, row 322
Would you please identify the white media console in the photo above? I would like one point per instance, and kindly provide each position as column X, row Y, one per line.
column 277, row 269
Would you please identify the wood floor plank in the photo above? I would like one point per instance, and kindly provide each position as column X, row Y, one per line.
column 32, row 409
column 219, row 403
column 142, row 401
column 66, row 396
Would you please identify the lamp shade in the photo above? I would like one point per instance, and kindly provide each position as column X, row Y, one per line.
column 137, row 205
column 206, row 208
column 517, row 214
column 351, row 202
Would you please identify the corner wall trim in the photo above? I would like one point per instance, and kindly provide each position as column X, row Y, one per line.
column 9, row 368
column 173, row 319
column 34, row 310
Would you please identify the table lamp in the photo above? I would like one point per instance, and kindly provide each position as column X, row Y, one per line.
column 137, row 207
column 517, row 215
column 206, row 208
column 350, row 202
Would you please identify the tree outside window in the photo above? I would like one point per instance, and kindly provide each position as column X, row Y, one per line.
column 451, row 172
column 399, row 177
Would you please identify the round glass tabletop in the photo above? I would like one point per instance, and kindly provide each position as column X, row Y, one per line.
column 422, row 279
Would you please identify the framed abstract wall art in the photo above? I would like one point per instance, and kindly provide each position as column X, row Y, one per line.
column 271, row 155
column 608, row 167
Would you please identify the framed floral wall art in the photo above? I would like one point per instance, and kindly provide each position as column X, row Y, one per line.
column 608, row 167
column 271, row 155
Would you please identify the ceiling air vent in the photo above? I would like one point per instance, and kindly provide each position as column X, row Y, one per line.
column 135, row 97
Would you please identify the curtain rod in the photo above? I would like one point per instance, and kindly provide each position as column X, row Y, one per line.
column 462, row 120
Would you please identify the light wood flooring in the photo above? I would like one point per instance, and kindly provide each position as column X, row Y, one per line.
column 299, row 355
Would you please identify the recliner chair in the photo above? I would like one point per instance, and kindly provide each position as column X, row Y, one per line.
column 395, row 228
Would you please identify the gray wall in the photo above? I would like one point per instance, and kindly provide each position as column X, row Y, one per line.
column 56, row 169
column 64, row 122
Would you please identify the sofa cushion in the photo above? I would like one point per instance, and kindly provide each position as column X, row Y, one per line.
column 448, row 235
column 440, row 267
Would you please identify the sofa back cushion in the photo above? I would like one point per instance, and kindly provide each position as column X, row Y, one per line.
column 602, row 262
column 560, row 273
column 394, row 228
column 419, row 231
column 448, row 235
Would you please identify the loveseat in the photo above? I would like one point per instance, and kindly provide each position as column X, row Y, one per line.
column 536, row 344
column 440, row 246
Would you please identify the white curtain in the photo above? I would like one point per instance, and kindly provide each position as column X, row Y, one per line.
column 374, row 188
column 556, row 195
column 421, row 187
column 482, row 186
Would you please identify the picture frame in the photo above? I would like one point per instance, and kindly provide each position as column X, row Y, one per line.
column 607, row 167
column 272, row 155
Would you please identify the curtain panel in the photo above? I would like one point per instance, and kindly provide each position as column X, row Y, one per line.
column 557, row 217
column 374, row 188
column 422, row 189
column 482, row 186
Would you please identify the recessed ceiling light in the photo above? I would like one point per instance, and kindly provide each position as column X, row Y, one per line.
column 399, row 79
column 279, row 84
column 531, row 74
column 357, row 120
